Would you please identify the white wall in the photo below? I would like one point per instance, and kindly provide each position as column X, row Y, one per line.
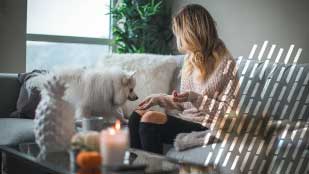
column 13, row 36
column 242, row 23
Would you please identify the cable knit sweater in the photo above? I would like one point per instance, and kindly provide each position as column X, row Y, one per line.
column 217, row 96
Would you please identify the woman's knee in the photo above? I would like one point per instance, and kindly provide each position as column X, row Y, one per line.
column 140, row 112
column 134, row 119
column 154, row 117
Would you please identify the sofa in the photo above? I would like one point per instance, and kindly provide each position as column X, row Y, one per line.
column 12, row 130
column 18, row 130
column 270, row 133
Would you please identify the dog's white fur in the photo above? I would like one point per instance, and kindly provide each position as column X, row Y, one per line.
column 154, row 74
column 94, row 92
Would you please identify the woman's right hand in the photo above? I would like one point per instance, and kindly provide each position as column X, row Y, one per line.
column 188, row 96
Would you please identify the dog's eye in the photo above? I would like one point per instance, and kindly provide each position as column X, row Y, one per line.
column 131, row 90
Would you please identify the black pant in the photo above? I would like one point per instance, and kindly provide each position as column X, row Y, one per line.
column 151, row 136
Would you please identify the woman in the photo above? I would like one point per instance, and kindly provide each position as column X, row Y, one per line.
column 208, row 84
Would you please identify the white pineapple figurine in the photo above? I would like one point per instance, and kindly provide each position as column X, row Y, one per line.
column 54, row 118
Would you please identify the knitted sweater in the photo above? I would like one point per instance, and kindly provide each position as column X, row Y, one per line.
column 217, row 96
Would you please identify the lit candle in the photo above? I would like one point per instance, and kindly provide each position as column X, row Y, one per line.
column 113, row 145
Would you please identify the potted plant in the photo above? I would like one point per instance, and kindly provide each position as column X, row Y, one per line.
column 141, row 26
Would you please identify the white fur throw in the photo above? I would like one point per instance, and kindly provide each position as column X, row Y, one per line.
column 154, row 73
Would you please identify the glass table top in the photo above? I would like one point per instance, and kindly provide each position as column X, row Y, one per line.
column 137, row 161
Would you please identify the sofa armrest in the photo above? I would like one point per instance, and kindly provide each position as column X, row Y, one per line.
column 9, row 92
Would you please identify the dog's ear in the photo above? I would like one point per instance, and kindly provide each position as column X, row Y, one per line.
column 131, row 74
column 125, row 81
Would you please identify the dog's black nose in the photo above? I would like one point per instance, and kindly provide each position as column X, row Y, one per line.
column 132, row 98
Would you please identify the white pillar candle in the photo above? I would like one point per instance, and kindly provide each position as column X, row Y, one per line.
column 113, row 145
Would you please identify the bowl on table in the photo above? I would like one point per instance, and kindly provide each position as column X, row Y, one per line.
column 96, row 123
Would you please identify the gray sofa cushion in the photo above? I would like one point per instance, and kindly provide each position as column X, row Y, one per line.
column 246, row 153
column 8, row 93
column 15, row 130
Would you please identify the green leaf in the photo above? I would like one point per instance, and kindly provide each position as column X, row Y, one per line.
column 141, row 26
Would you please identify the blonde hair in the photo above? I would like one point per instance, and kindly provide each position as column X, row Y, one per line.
column 196, row 34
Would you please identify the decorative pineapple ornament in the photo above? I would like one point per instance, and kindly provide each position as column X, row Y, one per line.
column 54, row 118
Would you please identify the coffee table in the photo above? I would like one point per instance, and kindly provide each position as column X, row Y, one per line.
column 26, row 158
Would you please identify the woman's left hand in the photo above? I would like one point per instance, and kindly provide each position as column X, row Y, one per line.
column 187, row 96
column 147, row 103
column 150, row 101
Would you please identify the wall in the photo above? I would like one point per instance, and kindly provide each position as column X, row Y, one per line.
column 242, row 23
column 13, row 35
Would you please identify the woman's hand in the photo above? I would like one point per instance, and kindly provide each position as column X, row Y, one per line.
column 163, row 100
column 150, row 101
column 188, row 96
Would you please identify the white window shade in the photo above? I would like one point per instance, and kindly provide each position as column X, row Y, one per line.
column 81, row 18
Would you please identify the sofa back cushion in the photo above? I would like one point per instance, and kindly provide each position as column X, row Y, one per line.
column 9, row 93
column 271, row 89
column 176, row 80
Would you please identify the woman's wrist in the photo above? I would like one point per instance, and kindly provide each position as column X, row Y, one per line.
column 160, row 99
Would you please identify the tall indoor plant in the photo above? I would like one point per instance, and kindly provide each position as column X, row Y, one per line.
column 141, row 26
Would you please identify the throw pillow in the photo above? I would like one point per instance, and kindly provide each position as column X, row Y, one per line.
column 29, row 97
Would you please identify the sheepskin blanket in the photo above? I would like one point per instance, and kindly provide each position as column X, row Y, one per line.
column 154, row 74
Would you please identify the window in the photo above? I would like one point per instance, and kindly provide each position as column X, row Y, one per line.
column 62, row 32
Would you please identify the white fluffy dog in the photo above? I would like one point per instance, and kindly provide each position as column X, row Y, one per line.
column 95, row 92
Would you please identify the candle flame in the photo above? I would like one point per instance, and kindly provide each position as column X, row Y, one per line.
column 117, row 125
column 112, row 131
